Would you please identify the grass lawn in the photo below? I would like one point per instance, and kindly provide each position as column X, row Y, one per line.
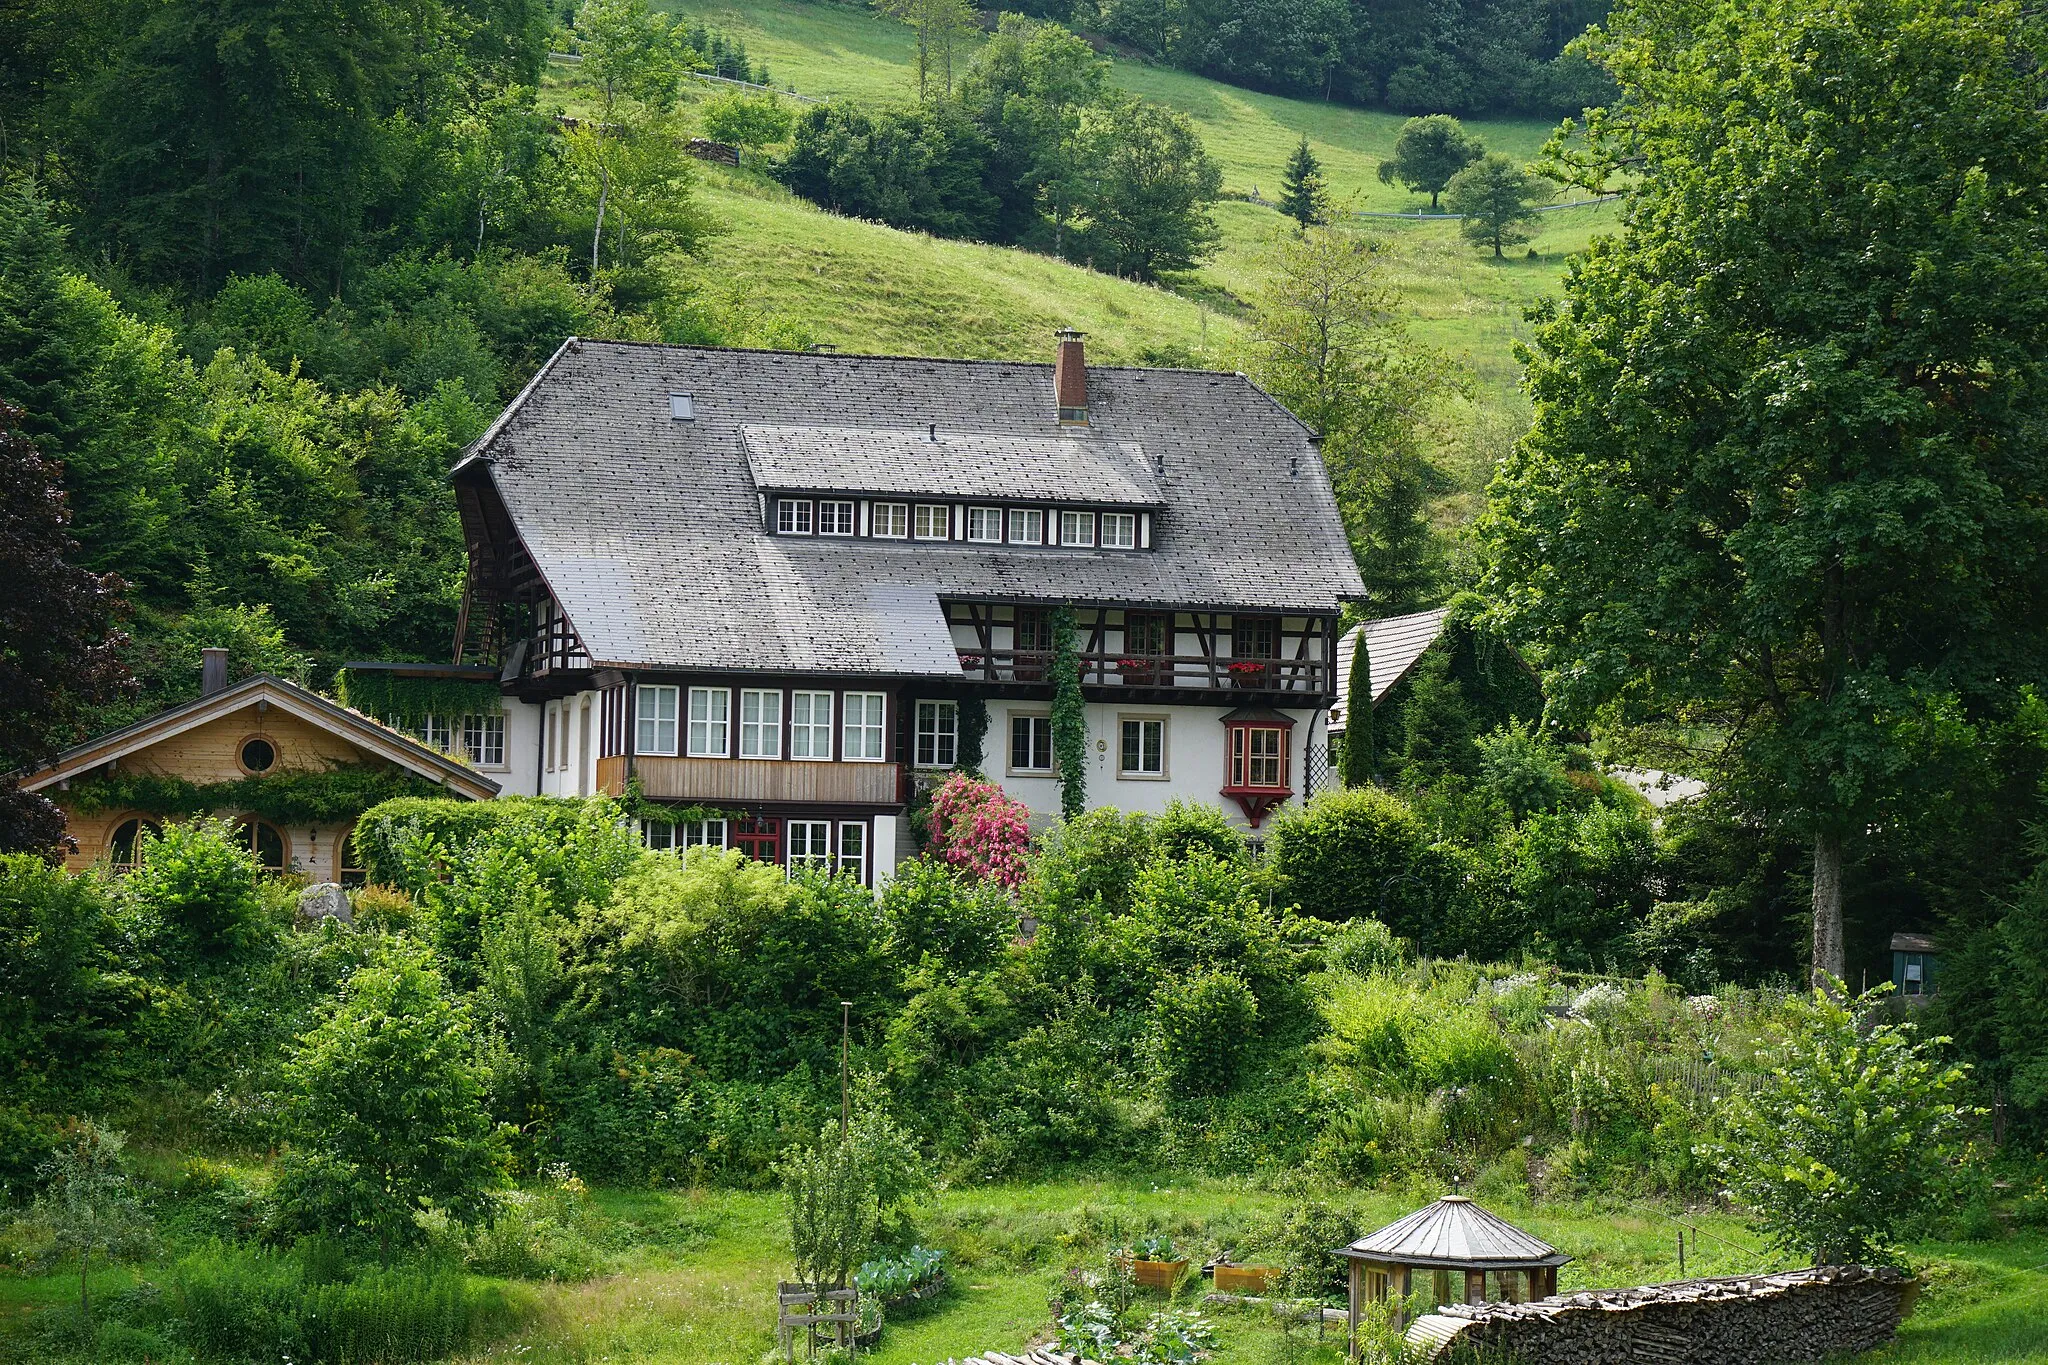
column 865, row 287
column 693, row 1275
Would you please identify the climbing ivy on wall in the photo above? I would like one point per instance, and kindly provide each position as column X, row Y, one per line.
column 339, row 793
column 1069, row 716
column 405, row 702
column 973, row 734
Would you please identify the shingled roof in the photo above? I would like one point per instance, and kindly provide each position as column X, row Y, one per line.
column 877, row 462
column 1393, row 646
column 1454, row 1233
column 648, row 529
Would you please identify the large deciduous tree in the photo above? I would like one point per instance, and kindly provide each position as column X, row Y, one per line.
column 59, row 650
column 1329, row 343
column 1428, row 152
column 1150, row 186
column 1496, row 199
column 1788, row 454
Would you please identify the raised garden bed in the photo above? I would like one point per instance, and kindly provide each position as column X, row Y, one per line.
column 1243, row 1279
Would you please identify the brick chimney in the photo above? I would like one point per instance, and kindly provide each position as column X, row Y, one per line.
column 213, row 671
column 1070, row 380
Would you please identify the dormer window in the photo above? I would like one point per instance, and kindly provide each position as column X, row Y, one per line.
column 1119, row 531
column 792, row 517
column 1027, row 526
column 835, row 518
column 933, row 521
column 985, row 525
column 892, row 520
column 1077, row 528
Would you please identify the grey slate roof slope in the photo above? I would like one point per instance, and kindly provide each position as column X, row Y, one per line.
column 1393, row 645
column 648, row 530
column 867, row 461
column 1454, row 1232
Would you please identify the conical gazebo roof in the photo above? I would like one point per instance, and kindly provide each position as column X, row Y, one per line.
column 1454, row 1234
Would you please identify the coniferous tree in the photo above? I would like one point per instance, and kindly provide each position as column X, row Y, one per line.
column 1358, row 717
column 1303, row 195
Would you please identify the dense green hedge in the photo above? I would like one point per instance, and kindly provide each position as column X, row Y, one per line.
column 1470, row 683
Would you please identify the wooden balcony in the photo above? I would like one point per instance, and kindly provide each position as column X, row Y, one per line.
column 748, row 781
column 1155, row 671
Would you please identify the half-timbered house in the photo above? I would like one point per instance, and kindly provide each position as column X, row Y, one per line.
column 768, row 583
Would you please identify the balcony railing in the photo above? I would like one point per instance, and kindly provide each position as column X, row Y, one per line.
column 1154, row 670
column 749, row 780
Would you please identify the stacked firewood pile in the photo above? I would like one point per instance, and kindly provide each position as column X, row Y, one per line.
column 1744, row 1320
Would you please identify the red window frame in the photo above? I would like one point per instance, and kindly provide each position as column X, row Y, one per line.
column 759, row 838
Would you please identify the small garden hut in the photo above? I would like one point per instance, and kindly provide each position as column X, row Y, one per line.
column 1451, row 1236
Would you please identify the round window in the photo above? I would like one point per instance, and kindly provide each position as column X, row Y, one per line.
column 258, row 755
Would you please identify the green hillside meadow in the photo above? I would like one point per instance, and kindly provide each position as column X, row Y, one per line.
column 861, row 286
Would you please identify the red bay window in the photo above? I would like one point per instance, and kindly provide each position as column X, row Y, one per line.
column 1255, row 770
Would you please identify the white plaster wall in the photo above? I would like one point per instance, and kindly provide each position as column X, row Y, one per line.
column 577, row 777
column 1194, row 758
column 521, row 774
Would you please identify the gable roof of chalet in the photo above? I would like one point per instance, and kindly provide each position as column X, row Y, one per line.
column 358, row 729
column 1393, row 646
column 648, row 530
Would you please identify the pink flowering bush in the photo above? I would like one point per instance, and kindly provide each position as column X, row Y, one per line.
column 977, row 829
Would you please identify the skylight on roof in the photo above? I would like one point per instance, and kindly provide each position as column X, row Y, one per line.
column 681, row 408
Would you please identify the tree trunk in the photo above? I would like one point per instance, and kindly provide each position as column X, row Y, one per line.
column 1828, row 963
column 604, row 190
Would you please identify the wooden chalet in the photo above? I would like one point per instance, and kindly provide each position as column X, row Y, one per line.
column 261, row 726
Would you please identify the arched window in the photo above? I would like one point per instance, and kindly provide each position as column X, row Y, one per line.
column 266, row 844
column 127, row 841
column 349, row 871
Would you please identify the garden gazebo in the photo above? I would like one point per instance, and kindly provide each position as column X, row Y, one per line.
column 1452, row 1235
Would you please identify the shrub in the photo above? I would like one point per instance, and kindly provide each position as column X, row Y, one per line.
column 1207, row 1025
column 1521, row 767
column 1188, row 826
column 1355, row 853
column 1855, row 1136
column 193, row 892
column 978, row 829
column 386, row 1107
column 1362, row 947
column 932, row 910
column 58, row 1013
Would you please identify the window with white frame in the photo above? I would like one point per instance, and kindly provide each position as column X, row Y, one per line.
column 938, row 734
column 863, row 728
column 1119, row 531
column 835, row 518
column 810, row 725
column 561, row 736
column 433, row 732
column 933, row 521
column 660, row 835
column 793, row 517
column 1027, row 526
column 892, row 520
column 1030, row 744
column 810, row 843
column 1077, row 528
column 985, row 525
column 853, row 849
column 703, row 833
column 483, row 739
column 656, row 707
column 547, row 737
column 1141, row 747
column 760, row 723
column 710, row 722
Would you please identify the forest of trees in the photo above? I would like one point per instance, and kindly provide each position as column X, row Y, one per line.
column 1030, row 146
column 1464, row 57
